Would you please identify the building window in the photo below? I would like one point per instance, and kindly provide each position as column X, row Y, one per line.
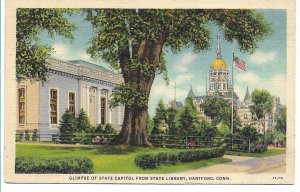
column 22, row 114
column 72, row 102
column 103, row 111
column 53, row 106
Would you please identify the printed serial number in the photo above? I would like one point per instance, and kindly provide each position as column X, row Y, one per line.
column 277, row 177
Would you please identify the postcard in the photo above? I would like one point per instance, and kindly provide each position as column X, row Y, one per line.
column 160, row 92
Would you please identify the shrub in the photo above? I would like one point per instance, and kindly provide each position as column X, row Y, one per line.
column 27, row 136
column 146, row 161
column 35, row 135
column 99, row 129
column 67, row 127
column 109, row 129
column 66, row 165
column 83, row 122
column 150, row 160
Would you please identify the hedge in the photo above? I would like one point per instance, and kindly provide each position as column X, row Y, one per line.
column 153, row 160
column 65, row 165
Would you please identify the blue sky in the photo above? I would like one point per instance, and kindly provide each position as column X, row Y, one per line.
column 265, row 69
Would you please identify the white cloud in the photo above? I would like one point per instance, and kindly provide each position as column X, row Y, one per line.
column 84, row 56
column 183, row 78
column 62, row 51
column 263, row 57
column 185, row 61
column 247, row 77
column 167, row 92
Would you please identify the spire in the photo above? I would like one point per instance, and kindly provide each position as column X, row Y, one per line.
column 191, row 94
column 219, row 53
column 247, row 96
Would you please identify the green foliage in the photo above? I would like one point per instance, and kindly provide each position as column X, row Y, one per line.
column 135, row 40
column 99, row 129
column 224, row 130
column 35, row 135
column 280, row 120
column 27, row 136
column 276, row 138
column 62, row 165
column 83, row 122
column 146, row 161
column 109, row 129
column 128, row 95
column 150, row 124
column 67, row 127
column 159, row 117
column 249, row 132
column 153, row 160
column 208, row 131
column 30, row 55
column 262, row 103
column 188, row 119
column 171, row 121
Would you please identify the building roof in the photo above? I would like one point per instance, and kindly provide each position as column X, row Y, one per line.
column 218, row 64
column 191, row 94
column 92, row 65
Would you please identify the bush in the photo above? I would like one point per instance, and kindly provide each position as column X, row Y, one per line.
column 35, row 135
column 152, row 161
column 146, row 161
column 27, row 136
column 67, row 127
column 109, row 129
column 70, row 165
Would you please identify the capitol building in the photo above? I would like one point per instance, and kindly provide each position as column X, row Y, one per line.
column 219, row 86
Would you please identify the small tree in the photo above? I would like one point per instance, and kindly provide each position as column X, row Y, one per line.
column 109, row 129
column 67, row 127
column 280, row 120
column 262, row 105
column 160, row 116
column 83, row 122
column 171, row 121
column 188, row 118
column 99, row 129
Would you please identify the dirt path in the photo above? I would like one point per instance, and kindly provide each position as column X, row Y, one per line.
column 251, row 165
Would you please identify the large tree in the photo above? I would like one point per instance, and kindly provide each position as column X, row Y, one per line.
column 262, row 105
column 135, row 41
column 30, row 53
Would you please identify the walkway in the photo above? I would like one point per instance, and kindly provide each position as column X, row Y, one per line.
column 251, row 165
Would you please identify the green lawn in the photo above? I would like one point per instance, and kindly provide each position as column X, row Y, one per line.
column 269, row 152
column 110, row 159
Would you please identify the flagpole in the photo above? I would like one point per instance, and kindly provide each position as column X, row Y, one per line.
column 232, row 94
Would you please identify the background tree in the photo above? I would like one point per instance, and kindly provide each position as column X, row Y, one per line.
column 30, row 54
column 262, row 105
column 67, row 127
column 280, row 120
column 188, row 118
column 171, row 120
column 135, row 41
column 159, row 117
column 83, row 122
column 220, row 111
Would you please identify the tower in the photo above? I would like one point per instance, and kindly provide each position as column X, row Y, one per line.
column 218, row 74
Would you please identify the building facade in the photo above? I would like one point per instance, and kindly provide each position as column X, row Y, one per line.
column 72, row 85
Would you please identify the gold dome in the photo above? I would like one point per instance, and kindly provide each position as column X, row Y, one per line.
column 218, row 64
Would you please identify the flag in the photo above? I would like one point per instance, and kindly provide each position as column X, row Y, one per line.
column 239, row 63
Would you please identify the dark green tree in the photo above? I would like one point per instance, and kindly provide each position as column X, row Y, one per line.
column 171, row 120
column 149, row 124
column 30, row 54
column 220, row 111
column 135, row 41
column 280, row 120
column 99, row 129
column 109, row 129
column 188, row 119
column 159, row 117
column 83, row 122
column 262, row 105
column 67, row 127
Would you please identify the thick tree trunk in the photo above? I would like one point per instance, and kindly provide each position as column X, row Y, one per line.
column 134, row 130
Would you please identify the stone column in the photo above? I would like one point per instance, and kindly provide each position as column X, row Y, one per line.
column 88, row 100
column 99, row 107
column 108, row 108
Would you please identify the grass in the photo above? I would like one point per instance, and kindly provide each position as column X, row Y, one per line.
column 269, row 152
column 111, row 159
